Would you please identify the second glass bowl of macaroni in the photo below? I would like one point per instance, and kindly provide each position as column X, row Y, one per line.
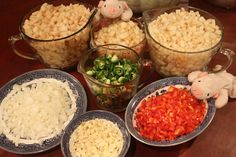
column 183, row 39
column 130, row 34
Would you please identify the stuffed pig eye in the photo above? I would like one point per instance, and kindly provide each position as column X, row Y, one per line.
column 208, row 94
column 119, row 6
column 199, row 81
column 105, row 5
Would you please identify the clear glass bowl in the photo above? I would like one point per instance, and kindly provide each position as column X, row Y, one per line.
column 110, row 97
column 170, row 62
column 60, row 53
column 143, row 5
column 138, row 47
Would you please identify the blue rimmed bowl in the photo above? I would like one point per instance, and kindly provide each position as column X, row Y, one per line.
column 153, row 87
column 90, row 115
column 81, row 105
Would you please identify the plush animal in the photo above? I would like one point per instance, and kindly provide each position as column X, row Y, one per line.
column 220, row 85
column 113, row 9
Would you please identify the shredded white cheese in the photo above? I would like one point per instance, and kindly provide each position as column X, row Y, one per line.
column 96, row 138
column 36, row 110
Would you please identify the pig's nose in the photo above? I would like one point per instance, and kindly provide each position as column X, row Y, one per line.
column 112, row 10
column 194, row 89
column 196, row 92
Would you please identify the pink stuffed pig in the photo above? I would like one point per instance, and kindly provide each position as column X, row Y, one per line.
column 219, row 85
column 114, row 8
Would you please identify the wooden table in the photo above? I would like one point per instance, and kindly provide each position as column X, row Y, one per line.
column 218, row 140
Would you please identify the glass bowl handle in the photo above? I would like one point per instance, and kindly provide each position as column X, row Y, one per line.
column 148, row 70
column 12, row 40
column 230, row 58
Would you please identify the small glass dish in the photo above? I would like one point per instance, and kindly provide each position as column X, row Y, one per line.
column 92, row 115
column 111, row 97
column 151, row 88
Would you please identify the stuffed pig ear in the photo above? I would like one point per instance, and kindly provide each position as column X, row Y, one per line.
column 216, row 95
column 125, row 5
column 195, row 75
column 203, row 74
column 100, row 4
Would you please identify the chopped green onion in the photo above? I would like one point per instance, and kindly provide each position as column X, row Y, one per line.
column 113, row 70
column 122, row 79
column 118, row 70
column 90, row 72
column 114, row 59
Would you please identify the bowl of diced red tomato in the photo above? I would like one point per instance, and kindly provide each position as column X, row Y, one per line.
column 165, row 113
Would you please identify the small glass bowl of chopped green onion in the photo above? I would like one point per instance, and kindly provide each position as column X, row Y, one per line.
column 112, row 75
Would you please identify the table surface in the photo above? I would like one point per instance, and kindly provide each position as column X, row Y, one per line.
column 218, row 140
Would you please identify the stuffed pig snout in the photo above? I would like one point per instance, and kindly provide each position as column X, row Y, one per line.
column 197, row 92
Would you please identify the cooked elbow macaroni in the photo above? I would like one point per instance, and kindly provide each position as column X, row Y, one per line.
column 120, row 32
column 179, row 32
column 37, row 110
column 96, row 138
column 54, row 22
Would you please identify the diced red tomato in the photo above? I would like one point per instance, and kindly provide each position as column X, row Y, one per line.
column 170, row 115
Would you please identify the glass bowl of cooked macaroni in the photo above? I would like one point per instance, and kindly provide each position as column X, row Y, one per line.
column 183, row 39
column 127, row 33
column 35, row 108
column 96, row 133
column 57, row 31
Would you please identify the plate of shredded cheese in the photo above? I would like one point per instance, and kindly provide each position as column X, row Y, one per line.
column 35, row 108
column 96, row 133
